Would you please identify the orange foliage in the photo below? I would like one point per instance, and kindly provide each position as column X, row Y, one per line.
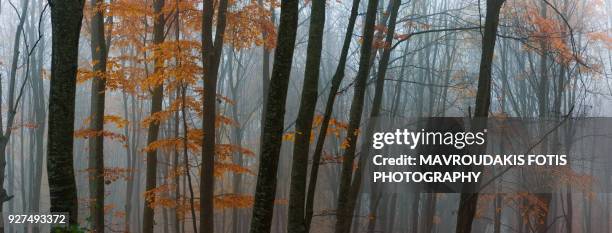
column 87, row 133
column 29, row 125
column 250, row 25
column 221, row 168
column 233, row 201
column 224, row 151
column 129, row 69
column 157, row 197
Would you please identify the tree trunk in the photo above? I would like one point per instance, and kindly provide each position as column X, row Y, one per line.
column 303, row 123
column 237, row 140
column 329, row 106
column 66, row 17
column 211, row 53
column 376, row 107
column 130, row 165
column 265, row 71
column 96, row 142
column 469, row 199
column 148, row 217
column 40, row 115
column 265, row 190
column 343, row 216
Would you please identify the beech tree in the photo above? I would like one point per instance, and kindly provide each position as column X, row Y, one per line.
column 265, row 190
column 344, row 213
column 66, row 19
column 303, row 125
column 157, row 95
column 98, row 89
column 329, row 106
column 211, row 53
column 469, row 199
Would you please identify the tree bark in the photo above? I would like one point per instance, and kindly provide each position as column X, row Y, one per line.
column 329, row 106
column 265, row 71
column 469, row 199
column 355, row 187
column 148, row 216
column 66, row 19
column 343, row 216
column 211, row 53
column 129, row 184
column 265, row 190
column 40, row 115
column 96, row 142
column 237, row 135
column 303, row 123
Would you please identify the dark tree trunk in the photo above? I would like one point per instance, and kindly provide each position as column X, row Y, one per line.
column 303, row 124
column 543, row 113
column 265, row 71
column 157, row 98
column 541, row 226
column 265, row 190
column 376, row 107
column 211, row 53
column 343, row 216
column 469, row 199
column 329, row 106
column 96, row 142
column 176, row 160
column 66, row 18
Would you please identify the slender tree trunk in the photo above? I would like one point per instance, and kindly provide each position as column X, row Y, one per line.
column 335, row 85
column 237, row 135
column 265, row 71
column 11, row 169
column 303, row 124
column 343, row 216
column 543, row 102
column 376, row 107
column 148, row 216
column 469, row 200
column 40, row 115
column 497, row 218
column 265, row 190
column 130, row 180
column 186, row 160
column 211, row 53
column 176, row 160
column 543, row 84
column 96, row 142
